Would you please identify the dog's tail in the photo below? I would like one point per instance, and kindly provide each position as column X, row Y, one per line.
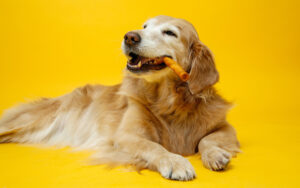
column 19, row 121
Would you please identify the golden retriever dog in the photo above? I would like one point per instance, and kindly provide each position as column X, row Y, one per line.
column 151, row 120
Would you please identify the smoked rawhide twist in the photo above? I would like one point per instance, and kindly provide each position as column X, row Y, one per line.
column 184, row 76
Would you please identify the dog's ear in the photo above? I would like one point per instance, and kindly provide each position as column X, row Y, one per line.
column 203, row 72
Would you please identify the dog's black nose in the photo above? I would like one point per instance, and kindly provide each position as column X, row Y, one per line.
column 132, row 38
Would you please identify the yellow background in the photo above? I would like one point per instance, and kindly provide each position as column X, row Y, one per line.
column 47, row 48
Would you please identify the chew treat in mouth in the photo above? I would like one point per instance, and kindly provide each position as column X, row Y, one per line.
column 139, row 64
column 184, row 76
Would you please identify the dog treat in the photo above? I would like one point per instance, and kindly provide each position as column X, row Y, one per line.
column 184, row 76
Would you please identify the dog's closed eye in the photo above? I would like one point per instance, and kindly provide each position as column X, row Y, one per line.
column 170, row 33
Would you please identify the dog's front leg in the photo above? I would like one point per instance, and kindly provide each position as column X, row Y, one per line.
column 138, row 137
column 218, row 147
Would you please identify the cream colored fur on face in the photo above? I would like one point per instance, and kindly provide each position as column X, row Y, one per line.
column 150, row 120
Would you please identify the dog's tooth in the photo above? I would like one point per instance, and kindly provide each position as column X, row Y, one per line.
column 139, row 64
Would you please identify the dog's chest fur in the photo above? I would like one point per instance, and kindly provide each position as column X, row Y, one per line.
column 183, row 119
column 181, row 122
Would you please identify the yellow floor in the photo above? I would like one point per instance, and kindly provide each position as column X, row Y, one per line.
column 48, row 48
column 270, row 158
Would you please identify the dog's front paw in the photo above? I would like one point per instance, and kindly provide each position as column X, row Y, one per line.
column 176, row 167
column 215, row 158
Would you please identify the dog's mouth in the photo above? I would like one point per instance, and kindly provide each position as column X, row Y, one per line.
column 138, row 63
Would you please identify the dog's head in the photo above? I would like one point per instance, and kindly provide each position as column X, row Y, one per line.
column 175, row 38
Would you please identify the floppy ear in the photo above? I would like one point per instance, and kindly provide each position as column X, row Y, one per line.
column 203, row 72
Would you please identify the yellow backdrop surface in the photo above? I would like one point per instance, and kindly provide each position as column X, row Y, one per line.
column 48, row 48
